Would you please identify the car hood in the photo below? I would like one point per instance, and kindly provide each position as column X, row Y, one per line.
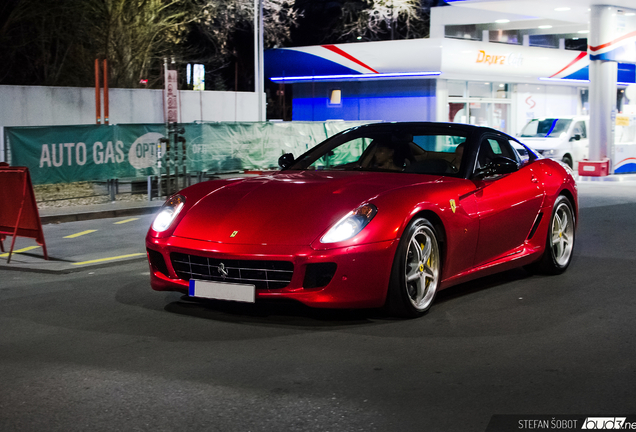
column 289, row 208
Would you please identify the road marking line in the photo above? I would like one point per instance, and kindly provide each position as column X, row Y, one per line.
column 110, row 259
column 126, row 221
column 4, row 255
column 80, row 234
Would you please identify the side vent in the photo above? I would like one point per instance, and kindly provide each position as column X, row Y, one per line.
column 536, row 225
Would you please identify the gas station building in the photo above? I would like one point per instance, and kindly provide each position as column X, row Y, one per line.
column 496, row 63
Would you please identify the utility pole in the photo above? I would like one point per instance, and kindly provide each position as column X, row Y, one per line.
column 392, row 22
column 258, row 58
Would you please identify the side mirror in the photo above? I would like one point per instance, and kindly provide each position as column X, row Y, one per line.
column 576, row 137
column 499, row 165
column 286, row 160
column 503, row 165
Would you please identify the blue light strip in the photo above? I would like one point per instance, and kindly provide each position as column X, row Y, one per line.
column 355, row 76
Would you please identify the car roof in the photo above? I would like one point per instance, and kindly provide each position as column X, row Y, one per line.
column 461, row 127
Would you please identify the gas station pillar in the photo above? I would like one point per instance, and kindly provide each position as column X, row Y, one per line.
column 603, row 73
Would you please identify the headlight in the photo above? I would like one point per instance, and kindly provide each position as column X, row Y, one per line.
column 550, row 152
column 350, row 225
column 168, row 213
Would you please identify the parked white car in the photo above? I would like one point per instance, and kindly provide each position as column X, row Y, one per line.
column 562, row 138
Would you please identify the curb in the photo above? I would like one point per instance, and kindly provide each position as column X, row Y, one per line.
column 101, row 214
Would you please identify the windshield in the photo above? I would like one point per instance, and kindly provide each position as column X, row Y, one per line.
column 544, row 128
column 413, row 151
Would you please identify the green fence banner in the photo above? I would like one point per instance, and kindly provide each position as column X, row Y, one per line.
column 63, row 154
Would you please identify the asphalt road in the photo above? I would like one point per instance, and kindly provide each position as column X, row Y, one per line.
column 98, row 350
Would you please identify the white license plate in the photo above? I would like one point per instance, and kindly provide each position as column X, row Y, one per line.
column 222, row 291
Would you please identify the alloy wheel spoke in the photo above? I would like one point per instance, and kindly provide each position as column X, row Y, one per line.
column 566, row 239
column 564, row 221
column 428, row 273
column 557, row 222
column 559, row 249
column 413, row 274
column 421, row 285
column 426, row 252
column 417, row 251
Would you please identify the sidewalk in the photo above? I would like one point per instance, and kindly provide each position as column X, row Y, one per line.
column 98, row 235
column 610, row 178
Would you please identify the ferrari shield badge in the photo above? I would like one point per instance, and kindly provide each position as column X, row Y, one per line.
column 236, row 232
column 453, row 205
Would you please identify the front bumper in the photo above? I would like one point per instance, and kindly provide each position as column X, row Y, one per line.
column 360, row 280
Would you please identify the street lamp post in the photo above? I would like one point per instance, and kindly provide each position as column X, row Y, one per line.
column 258, row 58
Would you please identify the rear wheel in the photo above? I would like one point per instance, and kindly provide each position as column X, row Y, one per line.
column 567, row 159
column 560, row 240
column 416, row 271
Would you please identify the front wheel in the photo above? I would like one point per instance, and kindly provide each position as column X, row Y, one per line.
column 560, row 240
column 416, row 271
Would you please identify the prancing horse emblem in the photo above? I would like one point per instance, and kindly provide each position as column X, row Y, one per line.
column 222, row 271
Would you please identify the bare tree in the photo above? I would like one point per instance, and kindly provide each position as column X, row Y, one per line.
column 220, row 18
column 37, row 41
column 383, row 19
column 227, row 27
column 55, row 42
column 134, row 34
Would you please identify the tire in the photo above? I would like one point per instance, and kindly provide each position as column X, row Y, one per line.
column 416, row 271
column 560, row 239
column 567, row 159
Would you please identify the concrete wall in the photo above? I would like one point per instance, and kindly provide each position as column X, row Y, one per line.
column 42, row 106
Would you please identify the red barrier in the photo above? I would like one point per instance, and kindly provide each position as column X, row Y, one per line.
column 19, row 214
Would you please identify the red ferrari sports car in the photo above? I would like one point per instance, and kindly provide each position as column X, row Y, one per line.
column 384, row 214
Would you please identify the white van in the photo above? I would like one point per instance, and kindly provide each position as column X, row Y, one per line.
column 563, row 138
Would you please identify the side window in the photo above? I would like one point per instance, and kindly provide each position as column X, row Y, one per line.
column 344, row 154
column 522, row 154
column 579, row 128
column 490, row 148
column 494, row 145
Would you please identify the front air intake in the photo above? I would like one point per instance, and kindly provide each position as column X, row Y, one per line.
column 319, row 275
column 157, row 262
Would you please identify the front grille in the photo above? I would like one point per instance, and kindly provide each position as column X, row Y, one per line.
column 262, row 274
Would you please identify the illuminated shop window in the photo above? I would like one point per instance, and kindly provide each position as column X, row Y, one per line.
column 335, row 97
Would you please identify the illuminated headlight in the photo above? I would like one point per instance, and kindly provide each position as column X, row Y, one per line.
column 168, row 213
column 350, row 225
column 550, row 152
